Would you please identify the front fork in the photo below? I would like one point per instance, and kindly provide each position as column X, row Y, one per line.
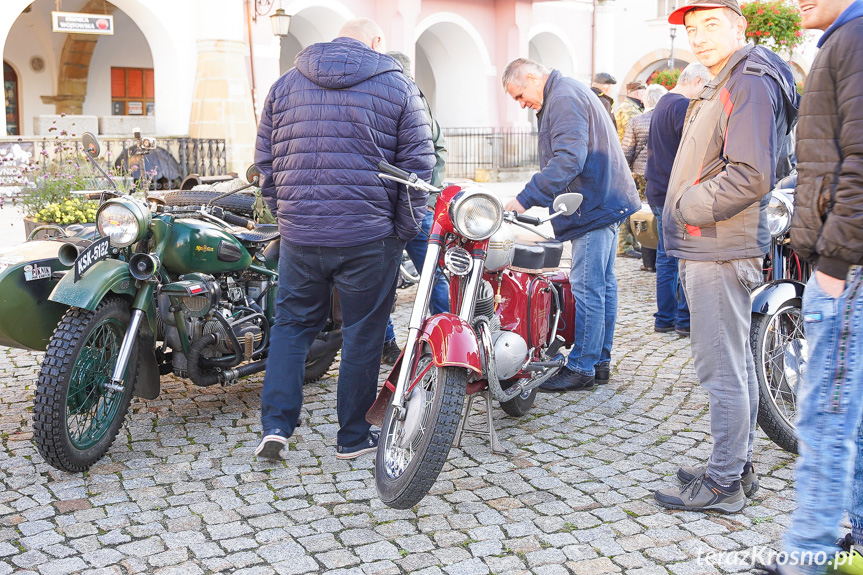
column 418, row 315
column 145, row 293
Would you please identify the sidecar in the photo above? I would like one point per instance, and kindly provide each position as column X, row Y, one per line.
column 28, row 274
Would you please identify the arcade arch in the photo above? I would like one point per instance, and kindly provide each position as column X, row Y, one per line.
column 550, row 48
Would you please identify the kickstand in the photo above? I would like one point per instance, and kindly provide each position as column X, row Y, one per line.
column 487, row 430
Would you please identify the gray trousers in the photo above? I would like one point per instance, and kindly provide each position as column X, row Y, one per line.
column 720, row 312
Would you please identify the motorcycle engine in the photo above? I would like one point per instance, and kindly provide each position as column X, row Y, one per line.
column 510, row 349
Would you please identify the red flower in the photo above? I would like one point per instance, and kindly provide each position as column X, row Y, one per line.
column 760, row 11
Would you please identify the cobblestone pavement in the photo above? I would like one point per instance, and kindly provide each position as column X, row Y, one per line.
column 180, row 491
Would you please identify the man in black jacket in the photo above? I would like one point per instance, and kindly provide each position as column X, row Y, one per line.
column 826, row 230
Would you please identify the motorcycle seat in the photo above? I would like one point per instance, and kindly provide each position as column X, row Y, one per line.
column 261, row 234
column 537, row 256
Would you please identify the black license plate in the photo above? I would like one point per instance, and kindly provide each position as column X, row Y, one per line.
column 97, row 251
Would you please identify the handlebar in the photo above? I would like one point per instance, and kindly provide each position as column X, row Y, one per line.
column 524, row 218
column 397, row 172
column 233, row 219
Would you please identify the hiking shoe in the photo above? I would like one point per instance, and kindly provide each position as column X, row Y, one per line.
column 603, row 374
column 848, row 561
column 749, row 481
column 271, row 445
column 702, row 494
column 367, row 445
column 391, row 352
column 567, row 380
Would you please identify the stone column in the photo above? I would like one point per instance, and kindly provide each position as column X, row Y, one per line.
column 222, row 102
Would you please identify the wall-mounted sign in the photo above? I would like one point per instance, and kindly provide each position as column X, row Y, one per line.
column 135, row 108
column 75, row 23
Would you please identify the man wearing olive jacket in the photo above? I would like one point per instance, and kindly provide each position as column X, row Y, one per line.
column 714, row 223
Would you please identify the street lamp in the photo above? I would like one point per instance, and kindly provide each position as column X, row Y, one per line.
column 672, row 31
column 281, row 21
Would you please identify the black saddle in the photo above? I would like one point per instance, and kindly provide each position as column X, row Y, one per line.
column 261, row 234
column 541, row 255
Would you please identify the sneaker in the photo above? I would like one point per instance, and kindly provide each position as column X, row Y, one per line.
column 702, row 494
column 271, row 445
column 603, row 373
column 849, row 560
column 682, row 331
column 391, row 352
column 368, row 445
column 749, row 481
column 567, row 380
column 663, row 328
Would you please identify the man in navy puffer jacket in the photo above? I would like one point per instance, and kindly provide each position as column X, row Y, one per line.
column 325, row 126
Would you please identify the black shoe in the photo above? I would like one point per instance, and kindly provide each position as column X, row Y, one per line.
column 367, row 445
column 682, row 331
column 603, row 373
column 567, row 380
column 749, row 480
column 391, row 352
column 648, row 269
column 634, row 254
column 663, row 328
column 271, row 445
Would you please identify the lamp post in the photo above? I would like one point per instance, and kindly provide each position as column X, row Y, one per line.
column 672, row 31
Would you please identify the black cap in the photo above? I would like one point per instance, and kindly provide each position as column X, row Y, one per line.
column 603, row 78
column 676, row 17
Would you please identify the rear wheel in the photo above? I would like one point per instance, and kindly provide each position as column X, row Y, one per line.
column 780, row 353
column 520, row 404
column 76, row 416
column 318, row 367
column 412, row 451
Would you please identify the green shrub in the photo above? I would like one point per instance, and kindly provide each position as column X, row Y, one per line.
column 774, row 24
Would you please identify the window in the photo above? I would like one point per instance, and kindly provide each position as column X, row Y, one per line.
column 10, row 93
column 132, row 92
column 666, row 7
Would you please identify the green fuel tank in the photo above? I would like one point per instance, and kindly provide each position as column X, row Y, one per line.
column 199, row 246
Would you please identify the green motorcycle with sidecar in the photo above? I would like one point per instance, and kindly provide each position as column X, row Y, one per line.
column 155, row 287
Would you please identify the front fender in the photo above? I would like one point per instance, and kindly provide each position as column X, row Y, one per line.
column 453, row 342
column 105, row 276
column 768, row 297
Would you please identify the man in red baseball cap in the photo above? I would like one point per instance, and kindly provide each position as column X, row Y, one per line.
column 714, row 221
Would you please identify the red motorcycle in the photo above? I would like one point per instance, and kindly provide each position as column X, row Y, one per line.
column 513, row 310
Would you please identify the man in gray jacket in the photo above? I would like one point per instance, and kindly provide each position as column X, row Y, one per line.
column 714, row 222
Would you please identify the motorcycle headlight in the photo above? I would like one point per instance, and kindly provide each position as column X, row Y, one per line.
column 123, row 220
column 779, row 212
column 476, row 215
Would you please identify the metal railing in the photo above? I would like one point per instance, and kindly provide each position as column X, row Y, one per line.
column 470, row 149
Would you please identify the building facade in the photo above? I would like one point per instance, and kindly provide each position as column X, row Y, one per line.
column 202, row 68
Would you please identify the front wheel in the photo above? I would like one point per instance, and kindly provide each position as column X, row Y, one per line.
column 76, row 416
column 780, row 353
column 412, row 451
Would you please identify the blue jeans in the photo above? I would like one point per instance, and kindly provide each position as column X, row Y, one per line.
column 594, row 286
column 416, row 249
column 365, row 276
column 829, row 411
column 671, row 308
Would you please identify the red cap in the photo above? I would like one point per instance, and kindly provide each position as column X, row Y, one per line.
column 676, row 17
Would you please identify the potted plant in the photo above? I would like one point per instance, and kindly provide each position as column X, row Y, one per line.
column 774, row 24
column 667, row 78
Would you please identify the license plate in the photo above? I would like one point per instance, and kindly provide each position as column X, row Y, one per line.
column 97, row 251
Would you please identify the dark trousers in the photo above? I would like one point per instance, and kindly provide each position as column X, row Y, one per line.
column 365, row 276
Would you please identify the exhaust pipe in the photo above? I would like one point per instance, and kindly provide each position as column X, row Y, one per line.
column 67, row 254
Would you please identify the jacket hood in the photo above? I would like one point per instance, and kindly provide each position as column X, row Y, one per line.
column 781, row 72
column 342, row 63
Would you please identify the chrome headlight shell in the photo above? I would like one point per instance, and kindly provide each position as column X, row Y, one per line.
column 779, row 212
column 123, row 220
column 476, row 214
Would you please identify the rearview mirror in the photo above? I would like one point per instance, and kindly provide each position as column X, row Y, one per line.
column 254, row 175
column 567, row 203
column 91, row 145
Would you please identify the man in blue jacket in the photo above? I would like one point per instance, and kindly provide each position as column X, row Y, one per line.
column 578, row 152
column 326, row 124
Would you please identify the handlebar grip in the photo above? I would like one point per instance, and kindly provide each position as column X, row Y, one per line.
column 532, row 220
column 238, row 221
column 397, row 172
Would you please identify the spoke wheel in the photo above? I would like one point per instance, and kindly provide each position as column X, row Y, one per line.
column 76, row 416
column 412, row 450
column 780, row 352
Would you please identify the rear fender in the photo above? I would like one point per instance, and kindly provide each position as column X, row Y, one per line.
column 769, row 297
